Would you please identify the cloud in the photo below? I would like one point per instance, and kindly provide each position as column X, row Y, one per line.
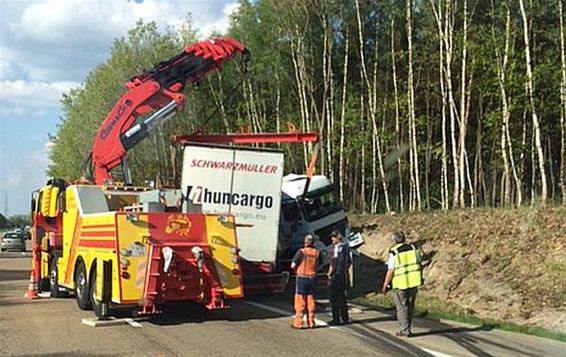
column 222, row 24
column 50, row 46
column 20, row 179
column 19, row 98
column 57, row 40
column 6, row 69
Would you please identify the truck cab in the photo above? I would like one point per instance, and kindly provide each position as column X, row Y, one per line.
column 317, row 212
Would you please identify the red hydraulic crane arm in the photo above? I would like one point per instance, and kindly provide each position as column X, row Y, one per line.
column 158, row 92
column 247, row 138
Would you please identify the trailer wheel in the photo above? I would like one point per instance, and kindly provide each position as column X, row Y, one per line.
column 82, row 292
column 100, row 308
column 53, row 279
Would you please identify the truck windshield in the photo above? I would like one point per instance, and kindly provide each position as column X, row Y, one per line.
column 320, row 203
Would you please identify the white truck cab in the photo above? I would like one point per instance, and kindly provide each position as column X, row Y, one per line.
column 318, row 212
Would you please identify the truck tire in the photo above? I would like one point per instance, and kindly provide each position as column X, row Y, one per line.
column 43, row 285
column 82, row 291
column 54, row 278
column 100, row 308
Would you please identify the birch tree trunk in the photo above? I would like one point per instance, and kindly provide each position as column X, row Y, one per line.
column 415, row 183
column 563, row 107
column 397, row 121
column 466, row 161
column 501, row 67
column 372, row 112
column 218, row 99
column 530, row 90
column 297, row 54
column 327, row 96
column 439, row 16
column 376, row 149
column 448, row 46
column 463, row 111
column 506, row 143
column 362, row 162
column 343, row 113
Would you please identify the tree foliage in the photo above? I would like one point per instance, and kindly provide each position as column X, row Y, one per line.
column 297, row 75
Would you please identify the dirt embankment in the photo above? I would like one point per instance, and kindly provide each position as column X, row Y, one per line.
column 493, row 263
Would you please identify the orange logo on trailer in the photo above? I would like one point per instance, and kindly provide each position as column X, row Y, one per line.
column 178, row 224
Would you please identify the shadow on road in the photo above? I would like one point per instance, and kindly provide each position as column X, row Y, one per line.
column 466, row 337
column 456, row 330
column 190, row 312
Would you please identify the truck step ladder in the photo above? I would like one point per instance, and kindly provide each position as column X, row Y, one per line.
column 150, row 289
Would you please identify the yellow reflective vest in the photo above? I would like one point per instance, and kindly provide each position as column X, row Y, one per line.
column 407, row 273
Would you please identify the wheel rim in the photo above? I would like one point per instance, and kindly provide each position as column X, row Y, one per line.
column 53, row 278
column 81, row 284
column 93, row 291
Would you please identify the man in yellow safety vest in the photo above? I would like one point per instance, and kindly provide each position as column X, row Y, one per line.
column 404, row 271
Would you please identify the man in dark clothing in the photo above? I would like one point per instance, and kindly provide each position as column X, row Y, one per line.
column 337, row 274
column 305, row 265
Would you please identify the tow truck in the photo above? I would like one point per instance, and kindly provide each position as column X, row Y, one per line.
column 114, row 244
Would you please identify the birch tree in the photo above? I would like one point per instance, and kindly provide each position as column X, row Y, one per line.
column 413, row 157
column 343, row 113
column 530, row 91
column 563, row 106
column 463, row 115
column 371, row 109
column 506, row 143
column 397, row 120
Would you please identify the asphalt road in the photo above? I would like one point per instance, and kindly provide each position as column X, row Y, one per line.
column 53, row 327
column 252, row 327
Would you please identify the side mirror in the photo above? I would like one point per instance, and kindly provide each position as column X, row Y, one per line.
column 34, row 199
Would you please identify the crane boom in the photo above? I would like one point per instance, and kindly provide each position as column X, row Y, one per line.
column 157, row 91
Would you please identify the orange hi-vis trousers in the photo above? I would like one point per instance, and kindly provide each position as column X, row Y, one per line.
column 303, row 302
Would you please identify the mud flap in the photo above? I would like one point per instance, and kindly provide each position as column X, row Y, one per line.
column 103, row 287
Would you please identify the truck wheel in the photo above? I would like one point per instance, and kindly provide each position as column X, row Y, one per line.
column 100, row 308
column 82, row 292
column 43, row 285
column 53, row 279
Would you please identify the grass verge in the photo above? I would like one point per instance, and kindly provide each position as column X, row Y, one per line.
column 438, row 309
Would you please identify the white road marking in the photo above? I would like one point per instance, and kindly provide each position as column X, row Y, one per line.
column 94, row 322
column 434, row 353
column 133, row 323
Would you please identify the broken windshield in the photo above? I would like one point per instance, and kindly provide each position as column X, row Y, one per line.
column 320, row 203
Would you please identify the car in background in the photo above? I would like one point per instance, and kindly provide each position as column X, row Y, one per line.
column 13, row 241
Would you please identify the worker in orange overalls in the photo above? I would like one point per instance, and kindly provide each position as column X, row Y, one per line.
column 305, row 265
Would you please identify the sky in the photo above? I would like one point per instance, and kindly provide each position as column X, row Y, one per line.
column 48, row 47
